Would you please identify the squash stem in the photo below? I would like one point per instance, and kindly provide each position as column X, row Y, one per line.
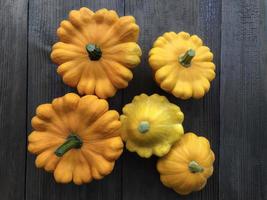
column 73, row 141
column 194, row 167
column 93, row 51
column 186, row 59
column 143, row 126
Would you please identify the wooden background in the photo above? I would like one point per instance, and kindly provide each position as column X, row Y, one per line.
column 233, row 115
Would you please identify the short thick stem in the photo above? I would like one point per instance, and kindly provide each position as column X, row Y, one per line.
column 194, row 167
column 186, row 59
column 93, row 51
column 143, row 126
column 72, row 142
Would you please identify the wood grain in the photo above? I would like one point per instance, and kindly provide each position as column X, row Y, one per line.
column 243, row 101
column 13, row 83
column 44, row 84
column 232, row 115
column 140, row 178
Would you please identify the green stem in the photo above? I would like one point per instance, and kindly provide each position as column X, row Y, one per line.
column 143, row 126
column 93, row 51
column 186, row 59
column 73, row 141
column 194, row 167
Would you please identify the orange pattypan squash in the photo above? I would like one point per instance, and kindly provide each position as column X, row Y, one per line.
column 96, row 51
column 182, row 65
column 76, row 138
column 188, row 164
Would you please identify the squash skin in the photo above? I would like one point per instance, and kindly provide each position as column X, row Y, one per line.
column 174, row 170
column 182, row 81
column 164, row 120
column 116, row 36
column 90, row 119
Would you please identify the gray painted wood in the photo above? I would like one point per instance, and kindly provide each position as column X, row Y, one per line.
column 44, row 84
column 140, row 178
column 243, row 101
column 13, row 82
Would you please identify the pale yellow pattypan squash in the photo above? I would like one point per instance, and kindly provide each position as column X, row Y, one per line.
column 150, row 125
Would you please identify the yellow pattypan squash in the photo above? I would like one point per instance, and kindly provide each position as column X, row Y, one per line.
column 150, row 125
column 76, row 138
column 96, row 51
column 182, row 65
column 188, row 164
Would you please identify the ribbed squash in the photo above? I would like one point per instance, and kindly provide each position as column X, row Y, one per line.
column 76, row 138
column 150, row 125
column 96, row 51
column 188, row 164
column 182, row 65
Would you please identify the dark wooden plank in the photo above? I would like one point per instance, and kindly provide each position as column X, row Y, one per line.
column 45, row 84
column 243, row 165
column 13, row 89
column 140, row 178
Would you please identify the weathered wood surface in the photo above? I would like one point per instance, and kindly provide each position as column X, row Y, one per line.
column 13, row 98
column 231, row 115
column 243, row 132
